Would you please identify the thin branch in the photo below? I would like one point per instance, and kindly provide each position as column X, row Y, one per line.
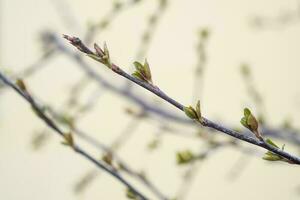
column 50, row 123
column 288, row 135
column 155, row 90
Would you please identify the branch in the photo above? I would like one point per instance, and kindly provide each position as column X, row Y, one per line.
column 281, row 133
column 22, row 91
column 103, row 57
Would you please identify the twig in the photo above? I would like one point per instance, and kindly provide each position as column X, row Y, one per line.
column 50, row 123
column 204, row 121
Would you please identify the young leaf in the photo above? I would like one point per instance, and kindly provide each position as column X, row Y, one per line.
column 147, row 71
column 250, row 122
column 271, row 156
column 270, row 142
column 138, row 66
column 198, row 109
column 138, row 75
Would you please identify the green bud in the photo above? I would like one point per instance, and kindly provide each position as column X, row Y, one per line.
column 184, row 157
column 20, row 83
column 190, row 112
column 69, row 141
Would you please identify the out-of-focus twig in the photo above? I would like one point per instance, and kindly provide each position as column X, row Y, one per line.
column 22, row 91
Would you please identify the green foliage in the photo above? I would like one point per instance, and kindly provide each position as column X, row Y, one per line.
column 194, row 113
column 270, row 156
column 142, row 72
column 250, row 122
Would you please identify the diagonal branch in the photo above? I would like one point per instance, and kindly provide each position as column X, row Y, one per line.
column 103, row 57
column 49, row 122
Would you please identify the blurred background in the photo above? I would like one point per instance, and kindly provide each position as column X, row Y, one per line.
column 230, row 54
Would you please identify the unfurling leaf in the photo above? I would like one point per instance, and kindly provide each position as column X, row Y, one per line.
column 184, row 157
column 270, row 142
column 142, row 71
column 147, row 71
column 138, row 75
column 190, row 112
column 69, row 141
column 270, row 156
column 250, row 122
column 138, row 66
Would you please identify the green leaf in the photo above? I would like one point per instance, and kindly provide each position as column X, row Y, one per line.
column 147, row 71
column 244, row 122
column 252, row 122
column 270, row 156
column 138, row 66
column 270, row 142
column 198, row 109
column 247, row 112
column 138, row 75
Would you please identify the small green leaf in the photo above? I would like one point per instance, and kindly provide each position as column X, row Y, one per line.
column 190, row 112
column 270, row 142
column 147, row 71
column 244, row 122
column 198, row 109
column 138, row 75
column 252, row 123
column 138, row 66
column 247, row 112
column 271, row 156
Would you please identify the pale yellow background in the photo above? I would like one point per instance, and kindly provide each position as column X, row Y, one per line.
column 51, row 172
